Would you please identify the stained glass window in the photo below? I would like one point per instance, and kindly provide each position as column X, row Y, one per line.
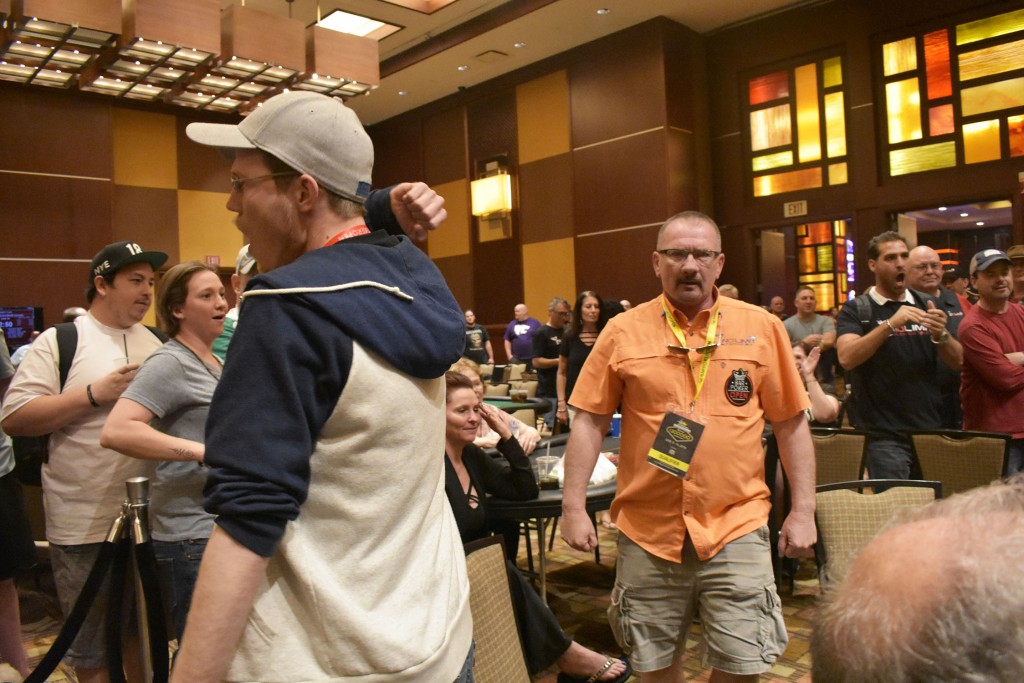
column 822, row 261
column 965, row 104
column 797, row 122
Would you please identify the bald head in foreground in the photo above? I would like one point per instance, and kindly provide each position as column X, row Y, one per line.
column 934, row 597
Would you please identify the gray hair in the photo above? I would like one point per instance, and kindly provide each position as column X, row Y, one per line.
column 557, row 300
column 963, row 622
column 691, row 217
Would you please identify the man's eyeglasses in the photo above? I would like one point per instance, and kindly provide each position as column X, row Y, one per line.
column 702, row 256
column 921, row 267
column 238, row 183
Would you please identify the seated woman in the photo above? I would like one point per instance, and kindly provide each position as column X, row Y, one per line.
column 470, row 476
column 161, row 416
column 486, row 437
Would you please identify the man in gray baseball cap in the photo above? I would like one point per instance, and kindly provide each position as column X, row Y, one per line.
column 335, row 555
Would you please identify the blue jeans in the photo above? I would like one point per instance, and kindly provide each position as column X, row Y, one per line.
column 890, row 459
column 466, row 675
column 1015, row 458
column 178, row 567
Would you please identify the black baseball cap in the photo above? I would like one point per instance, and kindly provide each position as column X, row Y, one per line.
column 116, row 256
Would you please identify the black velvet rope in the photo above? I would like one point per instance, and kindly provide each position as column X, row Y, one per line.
column 115, row 611
column 113, row 557
column 78, row 613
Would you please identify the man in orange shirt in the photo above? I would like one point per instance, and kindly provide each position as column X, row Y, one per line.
column 696, row 375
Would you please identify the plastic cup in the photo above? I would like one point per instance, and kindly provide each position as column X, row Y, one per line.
column 616, row 424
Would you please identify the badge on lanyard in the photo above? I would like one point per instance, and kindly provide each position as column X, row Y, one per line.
column 675, row 444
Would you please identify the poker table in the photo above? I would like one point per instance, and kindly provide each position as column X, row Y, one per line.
column 505, row 403
column 548, row 505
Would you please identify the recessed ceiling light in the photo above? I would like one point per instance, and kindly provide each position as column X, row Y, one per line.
column 604, row 10
column 520, row 44
column 942, row 208
column 980, row 223
column 402, row 93
column 464, row 67
column 963, row 214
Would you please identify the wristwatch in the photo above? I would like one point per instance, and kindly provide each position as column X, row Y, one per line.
column 942, row 338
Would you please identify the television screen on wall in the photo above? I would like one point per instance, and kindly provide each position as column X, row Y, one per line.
column 18, row 323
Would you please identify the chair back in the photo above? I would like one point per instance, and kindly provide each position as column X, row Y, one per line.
column 527, row 385
column 486, row 370
column 847, row 518
column 496, row 389
column 516, row 371
column 960, row 460
column 838, row 454
column 499, row 654
column 528, row 416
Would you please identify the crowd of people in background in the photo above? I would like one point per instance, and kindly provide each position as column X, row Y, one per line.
column 297, row 518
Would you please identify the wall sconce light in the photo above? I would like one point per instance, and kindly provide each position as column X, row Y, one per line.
column 492, row 195
column 491, row 199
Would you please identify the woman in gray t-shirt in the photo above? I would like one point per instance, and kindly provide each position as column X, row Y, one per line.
column 161, row 416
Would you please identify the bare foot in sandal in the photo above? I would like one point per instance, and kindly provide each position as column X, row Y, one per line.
column 605, row 518
column 580, row 663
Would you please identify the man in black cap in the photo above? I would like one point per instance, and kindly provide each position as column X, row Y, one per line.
column 83, row 483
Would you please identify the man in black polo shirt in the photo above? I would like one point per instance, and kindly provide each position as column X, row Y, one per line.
column 546, row 341
column 891, row 341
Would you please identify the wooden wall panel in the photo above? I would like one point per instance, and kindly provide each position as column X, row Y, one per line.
column 455, row 236
column 630, row 275
column 200, row 167
column 53, row 217
column 444, row 147
column 549, row 270
column 621, row 183
column 148, row 216
column 545, row 199
column 458, row 273
column 58, row 133
column 51, row 285
column 542, row 114
column 397, row 154
column 491, row 130
column 145, row 149
column 619, row 92
column 205, row 227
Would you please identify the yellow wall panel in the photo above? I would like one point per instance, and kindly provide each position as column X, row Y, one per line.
column 206, row 227
column 542, row 112
column 145, row 149
column 548, row 271
column 452, row 239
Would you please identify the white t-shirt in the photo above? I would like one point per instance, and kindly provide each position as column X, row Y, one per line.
column 83, row 484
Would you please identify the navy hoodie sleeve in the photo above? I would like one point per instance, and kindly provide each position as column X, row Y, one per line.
column 378, row 212
column 281, row 382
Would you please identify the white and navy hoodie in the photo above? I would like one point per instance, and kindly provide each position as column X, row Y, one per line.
column 323, row 441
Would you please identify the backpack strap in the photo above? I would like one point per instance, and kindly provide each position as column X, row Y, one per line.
column 158, row 333
column 67, row 346
column 863, row 312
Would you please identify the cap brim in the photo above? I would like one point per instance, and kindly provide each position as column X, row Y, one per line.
column 218, row 135
column 153, row 258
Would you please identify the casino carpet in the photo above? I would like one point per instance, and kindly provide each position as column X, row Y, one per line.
column 578, row 592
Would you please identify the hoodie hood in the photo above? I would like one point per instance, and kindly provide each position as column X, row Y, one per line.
column 384, row 293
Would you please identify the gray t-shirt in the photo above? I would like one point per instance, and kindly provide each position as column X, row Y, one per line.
column 177, row 387
column 797, row 329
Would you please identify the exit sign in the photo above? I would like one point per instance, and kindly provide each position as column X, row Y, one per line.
column 792, row 209
column 213, row 260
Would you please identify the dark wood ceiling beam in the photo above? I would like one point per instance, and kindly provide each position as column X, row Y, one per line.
column 510, row 11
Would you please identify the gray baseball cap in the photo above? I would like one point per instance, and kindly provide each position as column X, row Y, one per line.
column 312, row 133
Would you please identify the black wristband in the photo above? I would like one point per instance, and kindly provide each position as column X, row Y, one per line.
column 92, row 400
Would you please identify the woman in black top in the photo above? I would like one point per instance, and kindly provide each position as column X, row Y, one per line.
column 588, row 319
column 470, row 476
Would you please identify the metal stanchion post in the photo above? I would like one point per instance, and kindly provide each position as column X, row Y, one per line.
column 137, row 509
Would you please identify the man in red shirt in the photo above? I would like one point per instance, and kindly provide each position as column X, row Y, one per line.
column 992, row 334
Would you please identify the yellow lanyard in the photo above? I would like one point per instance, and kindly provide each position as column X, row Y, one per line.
column 707, row 349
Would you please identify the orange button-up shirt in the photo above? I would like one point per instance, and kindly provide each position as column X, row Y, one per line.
column 724, row 495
